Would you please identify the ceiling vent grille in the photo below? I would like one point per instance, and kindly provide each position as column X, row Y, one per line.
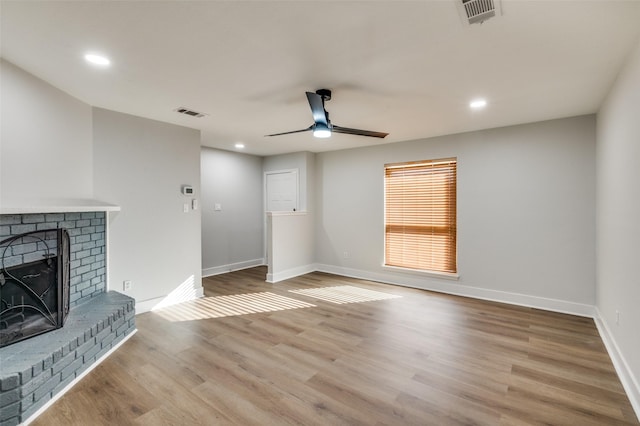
column 187, row 111
column 478, row 11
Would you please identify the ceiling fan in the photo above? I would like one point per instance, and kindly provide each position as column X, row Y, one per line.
column 322, row 126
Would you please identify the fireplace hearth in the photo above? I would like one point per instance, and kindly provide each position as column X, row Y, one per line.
column 34, row 284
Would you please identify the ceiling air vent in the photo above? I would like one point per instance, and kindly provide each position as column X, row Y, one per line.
column 187, row 111
column 478, row 11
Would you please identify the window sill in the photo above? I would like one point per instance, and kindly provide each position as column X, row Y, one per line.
column 434, row 274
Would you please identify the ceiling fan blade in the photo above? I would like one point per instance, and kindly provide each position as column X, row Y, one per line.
column 317, row 108
column 359, row 132
column 293, row 131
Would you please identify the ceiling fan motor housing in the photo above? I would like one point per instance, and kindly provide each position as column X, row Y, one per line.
column 325, row 93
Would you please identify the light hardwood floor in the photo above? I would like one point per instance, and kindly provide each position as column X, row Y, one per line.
column 422, row 359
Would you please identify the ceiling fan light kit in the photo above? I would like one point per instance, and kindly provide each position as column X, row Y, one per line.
column 321, row 131
column 322, row 127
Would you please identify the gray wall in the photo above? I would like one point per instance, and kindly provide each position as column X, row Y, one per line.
column 233, row 237
column 141, row 165
column 526, row 211
column 618, row 212
column 57, row 147
column 45, row 139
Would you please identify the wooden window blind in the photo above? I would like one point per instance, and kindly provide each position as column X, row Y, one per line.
column 420, row 215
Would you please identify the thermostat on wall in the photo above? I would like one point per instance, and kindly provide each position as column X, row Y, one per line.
column 187, row 190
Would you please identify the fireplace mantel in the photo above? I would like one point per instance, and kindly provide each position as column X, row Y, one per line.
column 27, row 206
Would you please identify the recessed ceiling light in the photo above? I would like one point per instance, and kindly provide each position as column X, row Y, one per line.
column 97, row 59
column 239, row 145
column 478, row 103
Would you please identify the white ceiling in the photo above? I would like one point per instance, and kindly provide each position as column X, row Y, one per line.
column 409, row 68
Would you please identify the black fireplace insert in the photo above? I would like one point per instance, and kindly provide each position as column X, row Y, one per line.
column 34, row 284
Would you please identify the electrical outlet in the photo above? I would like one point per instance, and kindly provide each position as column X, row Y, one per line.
column 617, row 317
column 126, row 285
column 185, row 208
column 345, row 255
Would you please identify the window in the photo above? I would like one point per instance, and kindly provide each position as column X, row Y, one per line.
column 420, row 215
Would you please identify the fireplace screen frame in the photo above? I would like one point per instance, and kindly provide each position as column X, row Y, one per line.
column 38, row 307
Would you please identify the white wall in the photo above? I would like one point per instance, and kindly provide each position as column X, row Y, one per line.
column 232, row 238
column 291, row 237
column 526, row 212
column 46, row 147
column 618, row 224
column 289, row 245
column 140, row 165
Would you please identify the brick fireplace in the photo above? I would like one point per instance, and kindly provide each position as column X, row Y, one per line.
column 33, row 372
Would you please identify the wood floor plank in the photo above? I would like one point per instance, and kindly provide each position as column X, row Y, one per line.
column 346, row 392
column 536, row 408
column 431, row 406
column 577, row 398
column 421, row 359
column 181, row 405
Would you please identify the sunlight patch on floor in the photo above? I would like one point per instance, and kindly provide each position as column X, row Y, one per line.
column 225, row 306
column 345, row 294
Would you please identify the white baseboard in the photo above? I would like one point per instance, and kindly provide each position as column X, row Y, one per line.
column 77, row 379
column 629, row 381
column 451, row 287
column 216, row 270
column 290, row 273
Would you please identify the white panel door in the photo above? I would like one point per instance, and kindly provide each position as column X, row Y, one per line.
column 282, row 191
